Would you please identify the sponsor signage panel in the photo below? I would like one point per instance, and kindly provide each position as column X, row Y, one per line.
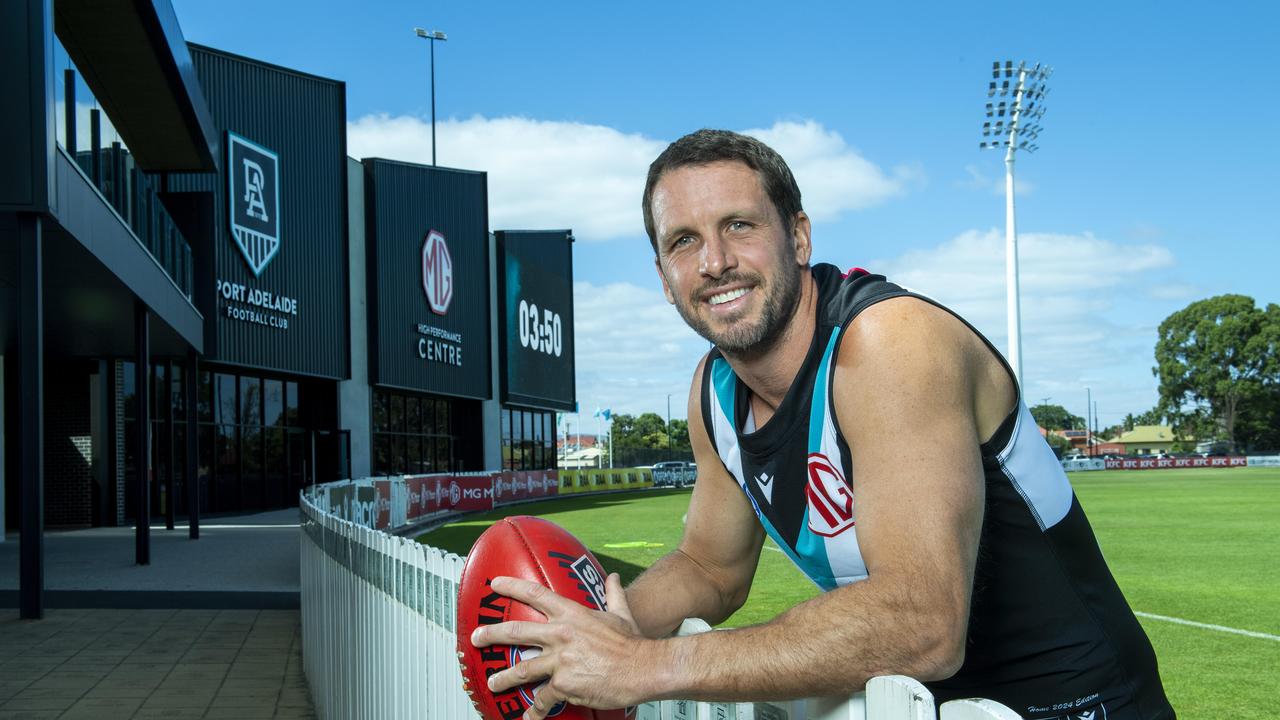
column 468, row 493
column 428, row 275
column 536, row 318
column 1166, row 463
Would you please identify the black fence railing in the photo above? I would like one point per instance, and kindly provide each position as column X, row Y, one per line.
column 85, row 133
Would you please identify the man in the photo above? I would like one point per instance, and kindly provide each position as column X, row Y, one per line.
column 881, row 442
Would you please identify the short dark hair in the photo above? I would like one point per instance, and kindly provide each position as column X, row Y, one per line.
column 706, row 146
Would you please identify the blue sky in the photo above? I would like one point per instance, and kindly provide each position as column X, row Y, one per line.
column 1156, row 183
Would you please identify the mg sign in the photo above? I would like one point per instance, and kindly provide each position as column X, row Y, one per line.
column 437, row 272
column 830, row 500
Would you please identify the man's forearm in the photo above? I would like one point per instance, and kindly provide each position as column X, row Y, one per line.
column 672, row 589
column 830, row 645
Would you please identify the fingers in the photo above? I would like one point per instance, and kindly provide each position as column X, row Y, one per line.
column 539, row 597
column 616, row 597
column 545, row 700
column 515, row 633
column 523, row 673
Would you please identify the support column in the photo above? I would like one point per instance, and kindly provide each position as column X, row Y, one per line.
column 191, row 376
column 142, row 446
column 31, row 415
column 169, row 470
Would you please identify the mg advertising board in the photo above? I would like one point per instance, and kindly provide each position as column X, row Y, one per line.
column 535, row 289
column 426, row 230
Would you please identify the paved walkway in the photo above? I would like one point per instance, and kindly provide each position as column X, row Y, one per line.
column 254, row 558
column 229, row 654
column 106, row 664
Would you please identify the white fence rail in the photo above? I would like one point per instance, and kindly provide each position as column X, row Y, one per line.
column 378, row 615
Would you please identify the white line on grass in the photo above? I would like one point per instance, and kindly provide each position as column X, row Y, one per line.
column 770, row 547
column 1207, row 626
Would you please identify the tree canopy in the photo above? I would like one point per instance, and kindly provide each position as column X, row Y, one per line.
column 1056, row 417
column 1218, row 370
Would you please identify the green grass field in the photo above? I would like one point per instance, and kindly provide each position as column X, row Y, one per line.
column 1200, row 545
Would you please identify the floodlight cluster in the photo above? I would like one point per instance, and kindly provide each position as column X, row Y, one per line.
column 1013, row 122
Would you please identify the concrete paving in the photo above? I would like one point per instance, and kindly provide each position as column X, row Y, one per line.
column 209, row 629
column 107, row 664
column 248, row 561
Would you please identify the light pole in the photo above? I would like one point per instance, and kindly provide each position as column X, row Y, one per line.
column 668, row 426
column 1088, row 423
column 432, row 36
column 1013, row 124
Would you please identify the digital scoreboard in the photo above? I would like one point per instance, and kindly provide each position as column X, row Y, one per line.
column 535, row 286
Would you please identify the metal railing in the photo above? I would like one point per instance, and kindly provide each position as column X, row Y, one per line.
column 378, row 617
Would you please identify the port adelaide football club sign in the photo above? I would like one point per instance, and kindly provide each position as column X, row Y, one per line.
column 253, row 205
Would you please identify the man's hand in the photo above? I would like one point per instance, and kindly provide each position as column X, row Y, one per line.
column 588, row 657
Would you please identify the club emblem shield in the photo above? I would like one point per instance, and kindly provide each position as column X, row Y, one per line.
column 253, row 200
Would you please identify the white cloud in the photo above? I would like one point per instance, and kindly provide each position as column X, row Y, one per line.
column 545, row 173
column 631, row 350
column 1080, row 324
column 834, row 177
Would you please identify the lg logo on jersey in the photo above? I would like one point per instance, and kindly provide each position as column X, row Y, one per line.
column 829, row 496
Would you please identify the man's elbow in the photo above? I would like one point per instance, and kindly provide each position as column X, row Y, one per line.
column 941, row 652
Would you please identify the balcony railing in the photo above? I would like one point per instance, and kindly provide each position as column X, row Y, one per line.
column 85, row 133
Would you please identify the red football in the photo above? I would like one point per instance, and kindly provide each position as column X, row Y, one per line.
column 533, row 549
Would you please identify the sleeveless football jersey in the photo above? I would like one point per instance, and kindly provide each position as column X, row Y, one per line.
column 1050, row 635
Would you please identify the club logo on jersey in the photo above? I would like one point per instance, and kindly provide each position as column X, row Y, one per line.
column 765, row 482
column 518, row 654
column 829, row 496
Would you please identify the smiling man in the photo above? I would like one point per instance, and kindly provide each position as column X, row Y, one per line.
column 882, row 443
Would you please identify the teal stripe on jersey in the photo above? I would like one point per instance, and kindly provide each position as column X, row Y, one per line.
column 813, row 551
column 722, row 382
column 818, row 408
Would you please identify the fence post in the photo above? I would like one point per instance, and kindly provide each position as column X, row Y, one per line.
column 976, row 709
column 897, row 697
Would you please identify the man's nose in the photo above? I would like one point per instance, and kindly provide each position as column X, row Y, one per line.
column 717, row 257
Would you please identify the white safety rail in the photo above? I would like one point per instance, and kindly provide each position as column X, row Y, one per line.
column 378, row 616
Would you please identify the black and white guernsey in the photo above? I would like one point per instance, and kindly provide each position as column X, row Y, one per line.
column 1050, row 634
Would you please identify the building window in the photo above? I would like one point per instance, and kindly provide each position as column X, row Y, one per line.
column 528, row 439
column 412, row 434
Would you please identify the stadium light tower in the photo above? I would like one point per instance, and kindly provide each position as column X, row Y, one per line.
column 432, row 36
column 1013, row 123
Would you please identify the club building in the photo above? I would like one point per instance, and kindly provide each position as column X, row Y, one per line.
column 205, row 304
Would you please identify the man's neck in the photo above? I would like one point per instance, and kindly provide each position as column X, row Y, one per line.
column 769, row 373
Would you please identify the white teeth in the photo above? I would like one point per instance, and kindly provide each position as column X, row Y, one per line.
column 725, row 297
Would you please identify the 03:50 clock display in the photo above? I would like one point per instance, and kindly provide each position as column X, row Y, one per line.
column 539, row 332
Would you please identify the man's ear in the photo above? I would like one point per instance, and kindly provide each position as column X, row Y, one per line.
column 666, row 289
column 802, row 238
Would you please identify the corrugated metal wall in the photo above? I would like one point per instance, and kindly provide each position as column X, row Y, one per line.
column 302, row 118
column 403, row 202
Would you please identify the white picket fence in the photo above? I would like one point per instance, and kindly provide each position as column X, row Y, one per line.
column 378, row 640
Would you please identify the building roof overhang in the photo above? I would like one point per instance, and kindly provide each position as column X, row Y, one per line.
column 133, row 57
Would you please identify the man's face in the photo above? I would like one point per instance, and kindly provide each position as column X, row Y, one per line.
column 727, row 261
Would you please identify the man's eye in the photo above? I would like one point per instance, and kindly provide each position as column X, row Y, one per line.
column 682, row 241
column 739, row 225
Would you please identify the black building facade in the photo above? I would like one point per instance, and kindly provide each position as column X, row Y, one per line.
column 206, row 305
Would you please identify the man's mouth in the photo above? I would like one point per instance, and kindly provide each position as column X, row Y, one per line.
column 728, row 296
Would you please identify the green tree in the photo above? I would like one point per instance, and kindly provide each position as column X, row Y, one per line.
column 1059, row 444
column 680, row 434
column 1216, row 362
column 1056, row 417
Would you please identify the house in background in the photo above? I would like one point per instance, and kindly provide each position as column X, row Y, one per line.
column 1147, row 440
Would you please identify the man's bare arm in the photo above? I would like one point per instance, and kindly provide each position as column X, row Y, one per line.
column 710, row 574
column 905, row 399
